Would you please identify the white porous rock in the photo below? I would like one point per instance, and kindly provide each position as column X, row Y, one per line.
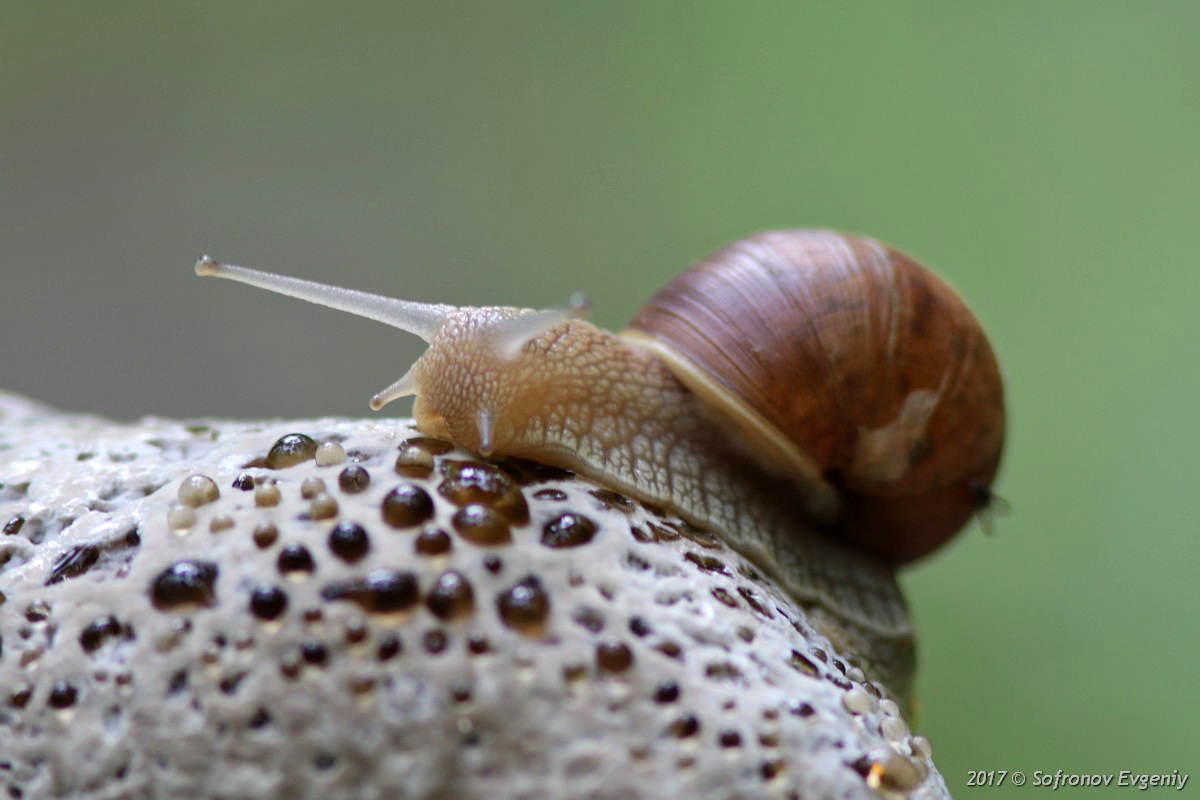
column 168, row 635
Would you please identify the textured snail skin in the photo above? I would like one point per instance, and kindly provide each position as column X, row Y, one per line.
column 582, row 398
column 864, row 368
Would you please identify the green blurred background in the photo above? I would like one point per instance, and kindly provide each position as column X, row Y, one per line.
column 1043, row 156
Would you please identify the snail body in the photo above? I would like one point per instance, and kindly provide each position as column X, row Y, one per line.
column 883, row 411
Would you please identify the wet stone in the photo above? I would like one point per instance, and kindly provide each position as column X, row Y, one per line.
column 380, row 591
column 406, row 506
column 268, row 602
column 185, row 584
column 432, row 542
column 451, row 596
column 349, row 541
column 525, row 607
column 481, row 525
column 290, row 450
column 354, row 479
column 568, row 530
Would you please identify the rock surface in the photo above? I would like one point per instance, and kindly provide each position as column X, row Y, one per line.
column 217, row 609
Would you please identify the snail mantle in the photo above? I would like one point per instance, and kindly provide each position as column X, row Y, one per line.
column 343, row 608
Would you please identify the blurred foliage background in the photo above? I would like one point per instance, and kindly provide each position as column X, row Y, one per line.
column 1041, row 155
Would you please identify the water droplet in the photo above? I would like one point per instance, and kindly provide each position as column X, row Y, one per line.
column 268, row 602
column 329, row 454
column 430, row 445
column 666, row 692
column 729, row 739
column 389, row 647
column 685, row 726
column 381, row 591
column 613, row 657
column 414, row 462
column 244, row 482
column 525, row 607
column 613, row 500
column 451, row 596
column 493, row 563
column 74, row 563
column 349, row 541
column 893, row 729
column 556, row 495
column 481, row 525
column 267, row 496
column 62, row 695
column 185, row 583
column 432, row 542
column 180, row 519
column 568, row 530
column 406, row 506
column 14, row 525
column 354, row 479
column 265, row 534
column 221, row 522
column 313, row 652
column 707, row 563
column 857, row 701
column 323, row 507
column 98, row 631
column 921, row 748
column 295, row 558
column 435, row 641
column 198, row 490
column 311, row 487
column 469, row 482
column 290, row 450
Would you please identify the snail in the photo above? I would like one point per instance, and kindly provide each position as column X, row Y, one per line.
column 794, row 380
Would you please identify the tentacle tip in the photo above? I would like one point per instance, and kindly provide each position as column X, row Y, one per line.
column 377, row 402
column 207, row 266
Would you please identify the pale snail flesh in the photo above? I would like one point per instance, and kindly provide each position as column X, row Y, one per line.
column 551, row 387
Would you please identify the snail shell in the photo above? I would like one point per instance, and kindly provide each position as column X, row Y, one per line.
column 848, row 365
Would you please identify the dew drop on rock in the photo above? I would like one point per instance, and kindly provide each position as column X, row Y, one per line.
column 524, row 607
column 311, row 487
column 666, row 692
column 330, row 454
column 198, row 490
column 268, row 602
column 432, row 542
column 556, row 495
column 568, row 530
column 180, row 519
column 414, row 462
column 389, row 648
column 451, row 596
column 406, row 506
column 267, row 496
column 469, row 482
column 481, row 525
column 349, row 541
column 244, row 482
column 380, row 591
column 185, row 583
column 290, row 450
column 295, row 558
column 265, row 534
column 613, row 657
column 62, row 695
column 354, row 479
column 323, row 506
column 435, row 641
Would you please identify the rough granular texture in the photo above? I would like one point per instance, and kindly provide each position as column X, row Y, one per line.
column 346, row 609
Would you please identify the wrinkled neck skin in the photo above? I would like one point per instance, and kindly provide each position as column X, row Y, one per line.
column 579, row 397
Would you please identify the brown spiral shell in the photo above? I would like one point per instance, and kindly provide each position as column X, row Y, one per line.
column 869, row 369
